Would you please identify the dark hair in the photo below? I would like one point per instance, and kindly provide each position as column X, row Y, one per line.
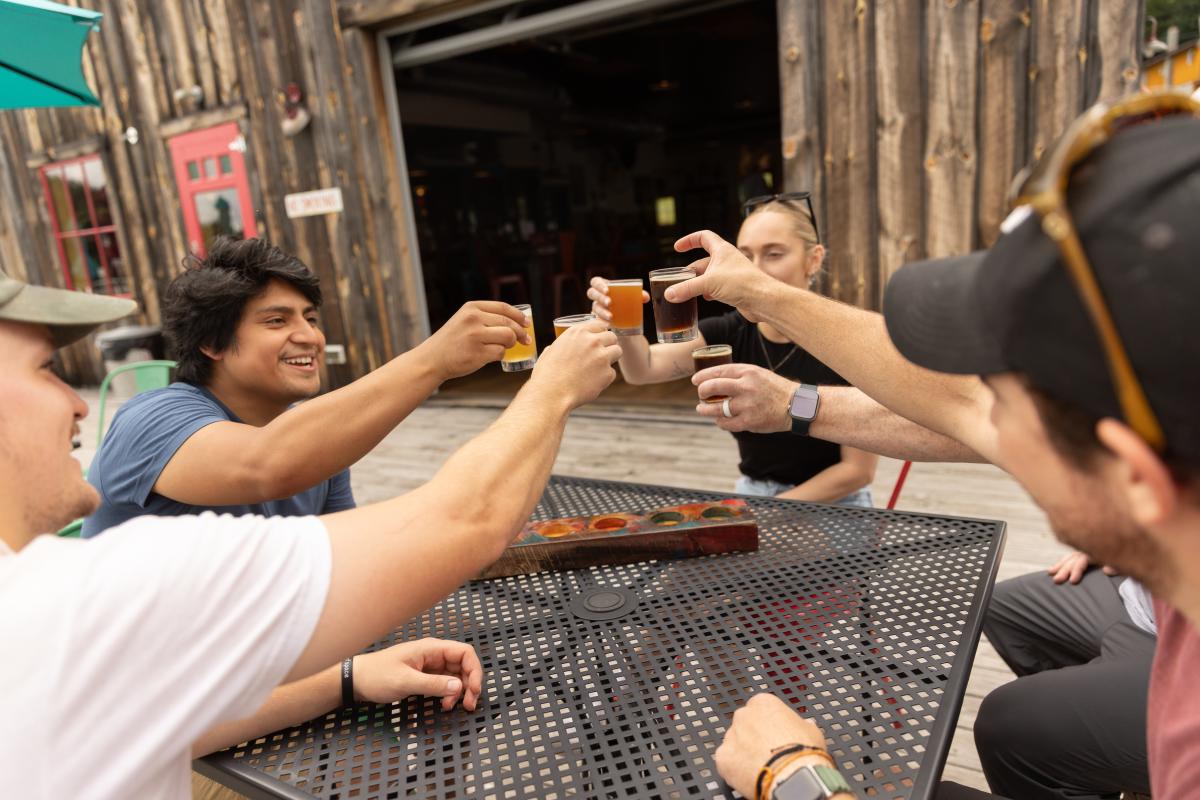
column 202, row 307
column 1072, row 433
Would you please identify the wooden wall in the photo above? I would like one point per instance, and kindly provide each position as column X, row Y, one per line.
column 242, row 53
column 909, row 118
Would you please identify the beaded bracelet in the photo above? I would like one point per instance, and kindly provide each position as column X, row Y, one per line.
column 795, row 750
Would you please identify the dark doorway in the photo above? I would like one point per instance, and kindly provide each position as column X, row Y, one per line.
column 535, row 165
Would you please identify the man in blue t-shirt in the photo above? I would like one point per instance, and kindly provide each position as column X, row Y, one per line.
column 231, row 435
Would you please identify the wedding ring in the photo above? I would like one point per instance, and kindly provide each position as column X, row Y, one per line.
column 725, row 408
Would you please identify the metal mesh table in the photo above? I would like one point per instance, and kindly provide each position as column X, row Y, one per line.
column 864, row 620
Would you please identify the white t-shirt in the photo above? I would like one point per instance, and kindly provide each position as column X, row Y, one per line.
column 117, row 652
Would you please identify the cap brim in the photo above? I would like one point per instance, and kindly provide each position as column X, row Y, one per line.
column 69, row 315
column 934, row 317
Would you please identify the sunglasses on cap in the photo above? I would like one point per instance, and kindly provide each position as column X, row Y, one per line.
column 1043, row 188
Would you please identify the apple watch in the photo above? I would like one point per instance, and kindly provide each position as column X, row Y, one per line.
column 812, row 782
column 803, row 407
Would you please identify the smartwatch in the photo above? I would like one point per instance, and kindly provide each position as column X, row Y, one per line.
column 803, row 408
column 811, row 782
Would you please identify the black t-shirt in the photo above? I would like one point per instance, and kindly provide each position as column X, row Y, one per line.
column 783, row 457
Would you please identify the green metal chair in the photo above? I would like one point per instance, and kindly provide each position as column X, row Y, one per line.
column 147, row 375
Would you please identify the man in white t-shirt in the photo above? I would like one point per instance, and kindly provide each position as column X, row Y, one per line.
column 122, row 652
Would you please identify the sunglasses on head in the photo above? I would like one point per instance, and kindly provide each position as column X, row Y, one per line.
column 1043, row 188
column 786, row 197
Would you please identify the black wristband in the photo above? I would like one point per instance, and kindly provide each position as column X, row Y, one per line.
column 348, row 682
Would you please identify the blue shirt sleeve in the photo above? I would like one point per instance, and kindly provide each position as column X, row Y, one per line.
column 341, row 496
column 142, row 440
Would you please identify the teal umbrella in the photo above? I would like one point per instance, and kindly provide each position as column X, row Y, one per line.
column 41, row 46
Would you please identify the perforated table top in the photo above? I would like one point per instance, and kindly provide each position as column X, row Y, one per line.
column 864, row 620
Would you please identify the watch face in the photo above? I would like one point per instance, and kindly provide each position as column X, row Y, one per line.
column 804, row 403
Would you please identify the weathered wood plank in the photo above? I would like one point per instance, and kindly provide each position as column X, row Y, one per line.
column 849, row 153
column 950, row 148
column 1113, row 60
column 397, row 291
column 1056, row 71
column 899, row 24
column 336, row 162
column 367, row 13
column 800, row 108
column 221, row 50
column 1004, row 83
column 195, row 24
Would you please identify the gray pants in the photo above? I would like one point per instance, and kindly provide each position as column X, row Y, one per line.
column 1073, row 724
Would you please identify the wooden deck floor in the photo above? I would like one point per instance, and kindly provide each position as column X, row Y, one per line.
column 661, row 441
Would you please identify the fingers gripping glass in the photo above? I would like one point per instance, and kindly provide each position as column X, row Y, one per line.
column 786, row 197
column 1043, row 187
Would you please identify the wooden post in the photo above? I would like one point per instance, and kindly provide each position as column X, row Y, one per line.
column 849, row 152
column 1113, row 65
column 1056, row 71
column 899, row 26
column 950, row 150
column 1004, row 30
column 800, row 78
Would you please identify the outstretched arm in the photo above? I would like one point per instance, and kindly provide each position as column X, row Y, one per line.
column 852, row 342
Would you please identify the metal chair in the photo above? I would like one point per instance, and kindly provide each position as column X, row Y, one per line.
column 147, row 375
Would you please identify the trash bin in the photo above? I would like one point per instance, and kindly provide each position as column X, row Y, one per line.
column 125, row 345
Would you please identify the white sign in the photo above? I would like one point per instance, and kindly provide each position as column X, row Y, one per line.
column 310, row 204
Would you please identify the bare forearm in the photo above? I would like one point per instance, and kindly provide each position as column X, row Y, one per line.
column 288, row 705
column 848, row 416
column 407, row 553
column 300, row 448
column 830, row 484
column 642, row 363
column 855, row 344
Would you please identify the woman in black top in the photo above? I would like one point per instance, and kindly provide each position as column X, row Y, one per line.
column 780, row 237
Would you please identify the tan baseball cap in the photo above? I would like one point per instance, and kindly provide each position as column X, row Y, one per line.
column 69, row 315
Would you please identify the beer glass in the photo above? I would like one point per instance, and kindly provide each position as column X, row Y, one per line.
column 521, row 356
column 626, row 306
column 562, row 323
column 711, row 356
column 676, row 322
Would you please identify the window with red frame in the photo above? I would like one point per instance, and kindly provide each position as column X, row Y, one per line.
column 84, row 230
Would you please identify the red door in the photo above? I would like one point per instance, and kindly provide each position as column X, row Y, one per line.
column 211, row 174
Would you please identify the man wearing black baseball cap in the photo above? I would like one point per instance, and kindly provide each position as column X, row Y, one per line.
column 126, row 650
column 1065, row 354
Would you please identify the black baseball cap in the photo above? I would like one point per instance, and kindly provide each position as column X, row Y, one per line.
column 1135, row 203
column 69, row 315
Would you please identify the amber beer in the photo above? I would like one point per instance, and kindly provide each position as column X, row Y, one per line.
column 562, row 323
column 521, row 356
column 676, row 322
column 626, row 306
column 712, row 356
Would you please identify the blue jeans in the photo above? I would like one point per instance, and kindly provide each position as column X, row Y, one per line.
column 769, row 488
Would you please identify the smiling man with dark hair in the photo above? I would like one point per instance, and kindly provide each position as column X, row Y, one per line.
column 231, row 434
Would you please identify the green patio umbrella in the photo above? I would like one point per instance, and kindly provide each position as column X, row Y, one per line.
column 41, row 46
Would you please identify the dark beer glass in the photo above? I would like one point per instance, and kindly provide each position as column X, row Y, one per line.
column 711, row 356
column 676, row 322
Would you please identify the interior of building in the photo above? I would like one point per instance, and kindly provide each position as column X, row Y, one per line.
column 539, row 163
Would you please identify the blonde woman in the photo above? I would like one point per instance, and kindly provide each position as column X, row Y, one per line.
column 779, row 234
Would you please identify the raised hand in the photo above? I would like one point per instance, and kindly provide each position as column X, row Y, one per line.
column 476, row 335
column 578, row 365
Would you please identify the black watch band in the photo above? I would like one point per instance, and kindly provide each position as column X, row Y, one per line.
column 800, row 425
column 348, row 683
